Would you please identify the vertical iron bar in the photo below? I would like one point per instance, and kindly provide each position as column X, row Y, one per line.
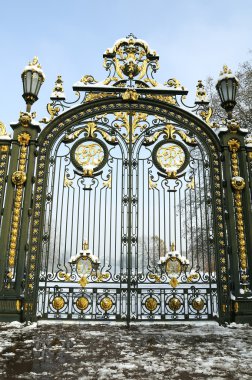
column 129, row 217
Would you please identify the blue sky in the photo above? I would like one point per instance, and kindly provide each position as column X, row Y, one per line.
column 193, row 38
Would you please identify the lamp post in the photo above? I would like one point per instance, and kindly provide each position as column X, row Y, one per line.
column 227, row 86
column 32, row 78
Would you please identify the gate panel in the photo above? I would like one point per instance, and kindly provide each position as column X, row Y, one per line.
column 84, row 255
column 149, row 243
column 175, row 261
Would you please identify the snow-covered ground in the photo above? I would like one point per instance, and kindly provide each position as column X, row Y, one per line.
column 111, row 351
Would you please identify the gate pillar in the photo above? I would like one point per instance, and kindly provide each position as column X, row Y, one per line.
column 15, row 205
column 237, row 167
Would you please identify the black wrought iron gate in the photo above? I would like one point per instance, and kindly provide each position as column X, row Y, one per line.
column 126, row 202
column 128, row 223
column 126, row 205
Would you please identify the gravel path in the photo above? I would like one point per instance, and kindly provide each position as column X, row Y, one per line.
column 150, row 351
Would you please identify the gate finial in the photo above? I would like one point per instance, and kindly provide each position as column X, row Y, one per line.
column 131, row 35
column 85, row 245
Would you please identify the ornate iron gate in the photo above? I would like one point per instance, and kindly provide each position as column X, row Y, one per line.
column 135, row 190
column 128, row 222
column 124, row 193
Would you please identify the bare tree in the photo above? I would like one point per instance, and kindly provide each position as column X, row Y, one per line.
column 149, row 251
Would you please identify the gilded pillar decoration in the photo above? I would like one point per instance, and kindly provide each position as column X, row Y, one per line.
column 18, row 180
column 238, row 184
column 4, row 149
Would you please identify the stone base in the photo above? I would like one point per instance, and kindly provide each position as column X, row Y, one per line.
column 10, row 310
column 242, row 311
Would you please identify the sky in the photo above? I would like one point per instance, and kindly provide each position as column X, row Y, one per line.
column 193, row 38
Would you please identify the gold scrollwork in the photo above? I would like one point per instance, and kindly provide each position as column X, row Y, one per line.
column 3, row 132
column 67, row 182
column 186, row 138
column 97, row 96
column 170, row 130
column 53, row 111
column 69, row 137
column 162, row 98
column 206, row 115
column 90, row 128
column 89, row 155
column 191, row 184
column 171, row 157
column 88, row 79
column 108, row 182
column 123, row 122
column 130, row 95
column 173, row 82
column 152, row 185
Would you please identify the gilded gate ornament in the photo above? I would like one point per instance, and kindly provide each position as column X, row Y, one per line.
column 25, row 118
column 89, row 154
column 24, row 139
column 233, row 125
column 130, row 95
column 18, row 179
column 174, row 303
column 170, row 157
column 58, row 90
column 198, row 303
column 58, row 303
column 238, row 185
column 201, row 94
column 151, row 304
column 106, row 304
column 130, row 63
column 3, row 132
column 82, row 303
